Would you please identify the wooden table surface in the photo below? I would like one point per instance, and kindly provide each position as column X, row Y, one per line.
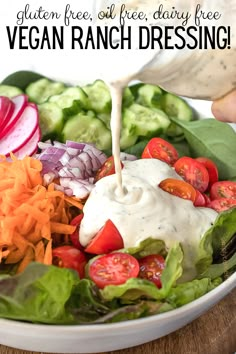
column 212, row 333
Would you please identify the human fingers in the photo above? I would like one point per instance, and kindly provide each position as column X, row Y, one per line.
column 224, row 109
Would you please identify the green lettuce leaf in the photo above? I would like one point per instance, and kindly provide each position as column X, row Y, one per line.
column 184, row 293
column 85, row 303
column 131, row 290
column 135, row 311
column 136, row 288
column 215, row 239
column 39, row 294
column 147, row 247
column 217, row 270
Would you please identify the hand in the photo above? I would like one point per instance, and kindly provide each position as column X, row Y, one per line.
column 224, row 109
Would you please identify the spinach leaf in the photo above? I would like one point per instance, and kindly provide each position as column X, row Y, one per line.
column 137, row 149
column 212, row 139
column 21, row 79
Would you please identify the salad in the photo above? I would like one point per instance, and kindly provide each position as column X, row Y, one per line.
column 70, row 256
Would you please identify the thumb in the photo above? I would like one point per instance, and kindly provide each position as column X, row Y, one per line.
column 224, row 109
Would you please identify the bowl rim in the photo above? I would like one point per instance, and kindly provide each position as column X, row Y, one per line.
column 226, row 285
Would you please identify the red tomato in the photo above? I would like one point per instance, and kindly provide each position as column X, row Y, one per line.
column 75, row 236
column 200, row 200
column 178, row 188
column 107, row 169
column 151, row 268
column 211, row 168
column 207, row 199
column 113, row 269
column 108, row 239
column 223, row 189
column 222, row 204
column 69, row 257
column 160, row 149
column 193, row 172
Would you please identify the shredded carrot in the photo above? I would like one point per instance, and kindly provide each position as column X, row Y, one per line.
column 60, row 228
column 33, row 217
column 74, row 201
column 48, row 254
column 39, row 252
column 28, row 258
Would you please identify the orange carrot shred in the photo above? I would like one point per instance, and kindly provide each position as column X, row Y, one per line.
column 28, row 258
column 58, row 228
column 48, row 253
column 32, row 216
column 39, row 252
column 74, row 201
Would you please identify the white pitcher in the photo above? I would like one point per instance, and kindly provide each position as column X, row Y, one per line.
column 197, row 73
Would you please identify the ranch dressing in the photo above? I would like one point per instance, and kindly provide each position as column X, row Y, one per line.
column 145, row 210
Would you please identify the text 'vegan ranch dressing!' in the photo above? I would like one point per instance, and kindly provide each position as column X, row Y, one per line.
column 132, row 198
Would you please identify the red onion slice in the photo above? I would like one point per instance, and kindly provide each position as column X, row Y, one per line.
column 74, row 163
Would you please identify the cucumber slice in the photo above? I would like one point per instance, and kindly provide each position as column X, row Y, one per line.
column 50, row 119
column 9, row 91
column 128, row 98
column 72, row 100
column 88, row 129
column 99, row 96
column 106, row 118
column 144, row 121
column 149, row 95
column 175, row 106
column 40, row 90
column 126, row 139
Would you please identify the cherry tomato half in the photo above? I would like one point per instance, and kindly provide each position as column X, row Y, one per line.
column 151, row 268
column 75, row 236
column 108, row 239
column 200, row 200
column 207, row 199
column 107, row 169
column 223, row 189
column 160, row 149
column 113, row 269
column 211, row 169
column 69, row 257
column 178, row 188
column 222, row 204
column 193, row 172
